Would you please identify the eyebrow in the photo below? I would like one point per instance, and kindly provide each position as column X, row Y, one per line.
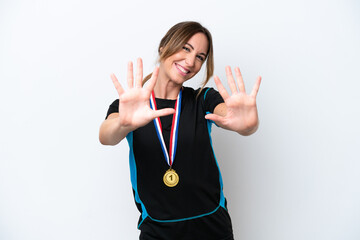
column 193, row 49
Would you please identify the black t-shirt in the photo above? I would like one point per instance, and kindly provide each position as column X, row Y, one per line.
column 196, row 207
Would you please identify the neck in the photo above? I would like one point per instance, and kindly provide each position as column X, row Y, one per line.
column 166, row 89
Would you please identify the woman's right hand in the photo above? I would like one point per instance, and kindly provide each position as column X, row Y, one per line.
column 134, row 103
column 134, row 106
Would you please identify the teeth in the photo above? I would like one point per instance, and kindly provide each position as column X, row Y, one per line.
column 182, row 69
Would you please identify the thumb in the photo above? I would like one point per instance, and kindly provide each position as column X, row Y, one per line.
column 214, row 117
column 162, row 112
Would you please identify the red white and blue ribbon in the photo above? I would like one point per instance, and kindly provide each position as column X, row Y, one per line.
column 169, row 156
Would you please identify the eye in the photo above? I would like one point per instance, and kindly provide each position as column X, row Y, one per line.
column 186, row 49
column 201, row 58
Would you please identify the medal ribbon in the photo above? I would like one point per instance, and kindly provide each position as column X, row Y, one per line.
column 169, row 157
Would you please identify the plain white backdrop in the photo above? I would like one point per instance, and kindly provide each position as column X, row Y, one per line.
column 296, row 178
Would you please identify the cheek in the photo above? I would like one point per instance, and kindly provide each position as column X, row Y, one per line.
column 169, row 65
column 198, row 67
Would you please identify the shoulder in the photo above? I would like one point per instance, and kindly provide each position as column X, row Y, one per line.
column 206, row 97
column 199, row 93
column 113, row 108
column 115, row 103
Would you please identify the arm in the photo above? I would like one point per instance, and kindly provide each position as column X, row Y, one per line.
column 111, row 131
column 134, row 107
column 239, row 112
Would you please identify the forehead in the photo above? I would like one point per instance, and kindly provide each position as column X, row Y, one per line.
column 200, row 42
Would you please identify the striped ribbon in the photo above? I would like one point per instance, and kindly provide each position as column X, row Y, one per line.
column 169, row 157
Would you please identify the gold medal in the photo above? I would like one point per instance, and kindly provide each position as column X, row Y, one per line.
column 171, row 178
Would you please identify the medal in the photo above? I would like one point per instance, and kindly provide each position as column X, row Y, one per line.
column 171, row 178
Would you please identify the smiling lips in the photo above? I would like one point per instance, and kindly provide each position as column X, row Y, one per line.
column 183, row 71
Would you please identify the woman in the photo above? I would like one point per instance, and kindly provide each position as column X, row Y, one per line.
column 175, row 177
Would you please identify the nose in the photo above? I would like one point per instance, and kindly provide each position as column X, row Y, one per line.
column 190, row 60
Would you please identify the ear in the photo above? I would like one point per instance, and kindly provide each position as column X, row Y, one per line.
column 160, row 50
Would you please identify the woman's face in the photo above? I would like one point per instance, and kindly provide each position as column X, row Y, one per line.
column 187, row 62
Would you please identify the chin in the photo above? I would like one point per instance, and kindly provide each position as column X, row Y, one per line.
column 181, row 79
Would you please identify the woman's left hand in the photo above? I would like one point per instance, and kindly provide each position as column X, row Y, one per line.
column 238, row 112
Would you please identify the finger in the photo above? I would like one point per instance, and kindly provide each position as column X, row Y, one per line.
column 130, row 76
column 139, row 73
column 221, row 88
column 240, row 80
column 230, row 80
column 214, row 117
column 117, row 85
column 256, row 87
column 163, row 112
column 151, row 84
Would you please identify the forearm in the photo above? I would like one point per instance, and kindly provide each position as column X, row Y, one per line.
column 111, row 132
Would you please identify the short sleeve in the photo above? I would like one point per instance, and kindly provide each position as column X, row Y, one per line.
column 113, row 108
column 212, row 98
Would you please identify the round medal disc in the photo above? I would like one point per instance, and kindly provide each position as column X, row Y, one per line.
column 171, row 178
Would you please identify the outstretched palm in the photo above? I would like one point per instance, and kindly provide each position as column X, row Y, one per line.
column 134, row 105
column 240, row 112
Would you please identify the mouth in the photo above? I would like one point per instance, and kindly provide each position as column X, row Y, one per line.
column 183, row 71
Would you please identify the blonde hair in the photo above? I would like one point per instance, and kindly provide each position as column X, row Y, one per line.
column 175, row 39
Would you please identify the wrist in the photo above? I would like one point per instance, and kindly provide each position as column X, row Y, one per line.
column 249, row 130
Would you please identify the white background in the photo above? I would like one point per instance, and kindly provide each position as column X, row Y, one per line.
column 296, row 178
